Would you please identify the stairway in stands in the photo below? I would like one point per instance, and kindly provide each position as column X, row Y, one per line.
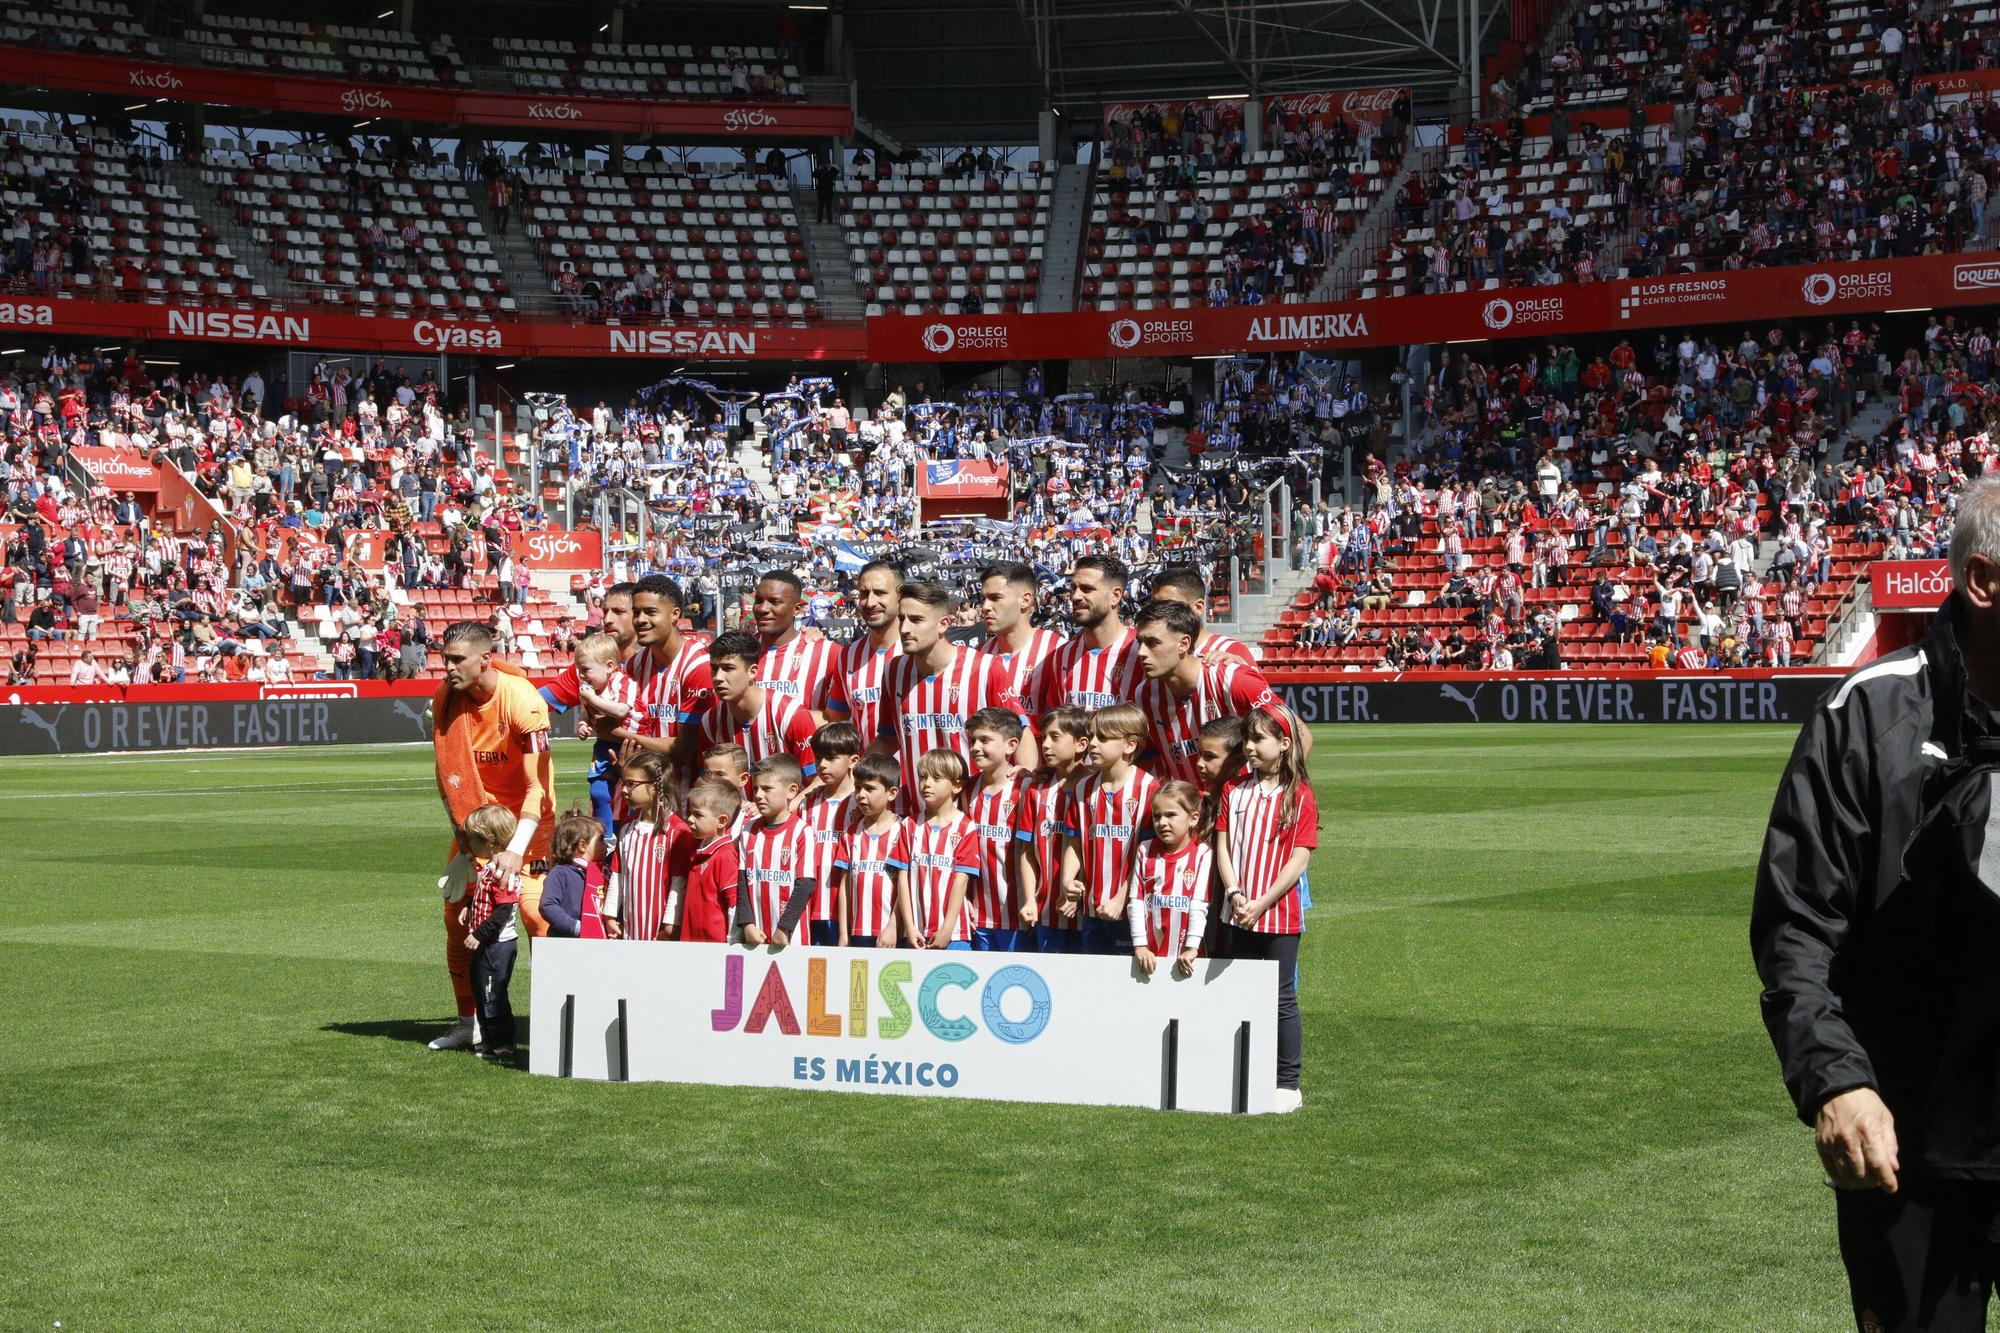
column 832, row 268
column 1069, row 216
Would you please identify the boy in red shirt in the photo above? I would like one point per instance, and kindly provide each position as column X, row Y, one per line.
column 716, row 868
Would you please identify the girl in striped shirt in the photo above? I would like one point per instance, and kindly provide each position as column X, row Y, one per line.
column 649, row 868
column 1267, row 826
column 1167, row 905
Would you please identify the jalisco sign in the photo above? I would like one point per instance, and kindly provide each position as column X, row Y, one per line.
column 1009, row 1027
column 341, row 97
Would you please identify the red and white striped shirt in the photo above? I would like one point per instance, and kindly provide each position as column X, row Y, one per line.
column 993, row 901
column 869, row 863
column 1021, row 665
column 1108, row 824
column 1084, row 676
column 1223, row 688
column 675, row 693
column 1221, row 645
column 1691, row 659
column 799, row 670
column 937, row 852
column 774, row 860
column 1248, row 816
column 648, row 859
column 622, row 689
column 854, row 689
column 1035, row 827
column 779, row 726
column 1170, row 895
column 827, row 816
column 928, row 712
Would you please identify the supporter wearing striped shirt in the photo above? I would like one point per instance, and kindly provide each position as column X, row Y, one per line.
column 1007, row 605
column 794, row 664
column 776, row 882
column 649, row 868
column 764, row 722
column 994, row 735
column 1100, row 665
column 944, row 857
column 828, row 811
column 873, row 857
column 1184, row 584
column 854, row 688
column 1102, row 823
column 1172, row 883
column 1037, row 846
column 1182, row 693
column 1266, row 827
column 676, row 687
column 935, row 686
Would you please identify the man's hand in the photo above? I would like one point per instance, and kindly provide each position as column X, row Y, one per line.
column 508, row 863
column 1856, row 1138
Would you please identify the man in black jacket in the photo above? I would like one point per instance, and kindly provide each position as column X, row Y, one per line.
column 1886, row 1032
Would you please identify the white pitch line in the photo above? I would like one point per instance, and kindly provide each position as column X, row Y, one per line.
column 170, row 793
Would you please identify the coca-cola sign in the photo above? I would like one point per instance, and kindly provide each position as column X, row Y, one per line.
column 1910, row 585
column 118, row 470
column 578, row 551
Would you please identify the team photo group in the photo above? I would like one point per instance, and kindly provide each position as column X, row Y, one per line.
column 1135, row 790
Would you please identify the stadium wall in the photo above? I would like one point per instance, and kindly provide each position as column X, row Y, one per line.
column 342, row 98
column 1554, row 696
column 1818, row 290
column 52, row 719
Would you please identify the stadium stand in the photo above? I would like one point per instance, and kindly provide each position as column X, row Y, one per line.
column 1185, row 216
column 364, row 231
column 958, row 238
column 652, row 241
column 613, row 69
column 77, row 25
column 256, row 41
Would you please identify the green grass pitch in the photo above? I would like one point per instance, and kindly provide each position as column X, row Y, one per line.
column 1537, row 1093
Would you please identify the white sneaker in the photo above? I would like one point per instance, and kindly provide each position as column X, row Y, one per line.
column 1289, row 1100
column 459, row 1038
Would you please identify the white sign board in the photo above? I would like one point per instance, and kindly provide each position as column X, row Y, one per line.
column 1008, row 1026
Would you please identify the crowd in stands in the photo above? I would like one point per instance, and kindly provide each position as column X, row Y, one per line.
column 1703, row 505
column 289, row 482
column 1226, row 227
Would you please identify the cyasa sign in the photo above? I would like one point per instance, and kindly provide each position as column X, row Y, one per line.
column 1910, row 585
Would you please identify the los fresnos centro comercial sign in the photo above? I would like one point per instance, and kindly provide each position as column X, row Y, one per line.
column 1008, row 1027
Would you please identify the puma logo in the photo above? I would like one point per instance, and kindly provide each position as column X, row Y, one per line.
column 422, row 719
column 1470, row 701
column 35, row 720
